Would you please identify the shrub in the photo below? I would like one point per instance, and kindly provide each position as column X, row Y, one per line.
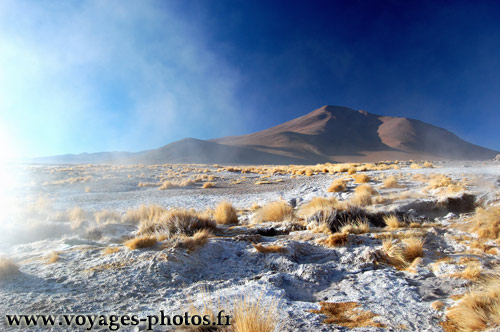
column 225, row 213
column 274, row 211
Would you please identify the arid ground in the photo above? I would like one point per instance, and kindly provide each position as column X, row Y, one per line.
column 389, row 246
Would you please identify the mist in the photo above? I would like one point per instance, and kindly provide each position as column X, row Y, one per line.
column 108, row 76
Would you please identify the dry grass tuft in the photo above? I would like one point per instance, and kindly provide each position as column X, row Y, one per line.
column 274, row 211
column 414, row 248
column 486, row 223
column 347, row 314
column 225, row 213
column 52, row 257
column 437, row 305
column 7, row 268
column 478, row 309
column 110, row 250
column 254, row 316
column 191, row 243
column 107, row 216
column 208, row 185
column 335, row 240
column 144, row 241
column 338, row 185
column 361, row 178
column 472, row 271
column 363, row 195
column 144, row 212
column 392, row 222
column 315, row 205
column 357, row 227
column 169, row 185
column 273, row 248
column 176, row 221
column 391, row 182
column 402, row 254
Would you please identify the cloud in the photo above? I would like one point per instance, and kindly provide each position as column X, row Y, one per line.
column 109, row 75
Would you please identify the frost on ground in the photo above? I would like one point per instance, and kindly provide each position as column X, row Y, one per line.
column 370, row 247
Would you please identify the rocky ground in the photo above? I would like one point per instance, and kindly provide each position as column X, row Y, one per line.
column 65, row 227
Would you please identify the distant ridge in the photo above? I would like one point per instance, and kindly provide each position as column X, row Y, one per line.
column 327, row 134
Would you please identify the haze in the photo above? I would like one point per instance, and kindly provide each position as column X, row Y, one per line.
column 133, row 75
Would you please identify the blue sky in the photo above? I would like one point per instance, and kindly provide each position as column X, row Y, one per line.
column 93, row 76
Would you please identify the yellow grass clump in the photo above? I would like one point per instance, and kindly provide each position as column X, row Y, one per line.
column 414, row 248
column 207, row 185
column 175, row 222
column 478, row 309
column 486, row 223
column 254, row 316
column 391, row 182
column 274, row 211
column 169, row 185
column 401, row 254
column 107, row 216
column 347, row 314
column 225, row 213
column 363, row 195
column 356, row 227
column 197, row 240
column 361, row 178
column 110, row 250
column 338, row 185
column 273, row 248
column 143, row 212
column 144, row 241
column 52, row 257
column 315, row 205
column 471, row 272
column 335, row 240
column 437, row 305
column 392, row 222
column 7, row 268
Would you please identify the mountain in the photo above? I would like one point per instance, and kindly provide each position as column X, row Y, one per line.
column 327, row 134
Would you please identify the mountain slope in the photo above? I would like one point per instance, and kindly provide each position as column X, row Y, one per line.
column 327, row 134
column 341, row 134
